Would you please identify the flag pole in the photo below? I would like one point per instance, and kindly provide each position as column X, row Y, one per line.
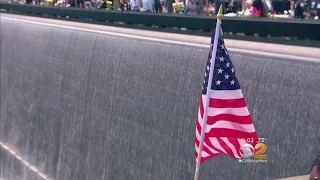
column 205, row 115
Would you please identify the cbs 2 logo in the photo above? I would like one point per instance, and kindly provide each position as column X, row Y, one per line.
column 257, row 151
column 259, row 154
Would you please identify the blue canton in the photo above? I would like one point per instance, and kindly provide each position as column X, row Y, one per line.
column 224, row 76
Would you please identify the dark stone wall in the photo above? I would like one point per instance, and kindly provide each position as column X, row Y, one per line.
column 84, row 106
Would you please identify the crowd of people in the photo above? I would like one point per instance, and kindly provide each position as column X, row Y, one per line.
column 301, row 9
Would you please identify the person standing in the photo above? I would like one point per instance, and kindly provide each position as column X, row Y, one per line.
column 199, row 4
column 191, row 8
column 228, row 6
column 224, row 4
column 279, row 6
column 259, row 8
column 88, row 4
column 148, row 5
column 157, row 6
column 318, row 8
column 314, row 9
column 301, row 10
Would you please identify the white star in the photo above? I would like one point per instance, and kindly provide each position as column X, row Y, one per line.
column 227, row 64
column 227, row 76
column 208, row 68
column 218, row 82
column 226, row 52
column 222, row 46
column 221, row 59
column 232, row 82
column 232, row 70
column 220, row 71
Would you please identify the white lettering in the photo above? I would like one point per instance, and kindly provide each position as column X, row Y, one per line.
column 254, row 161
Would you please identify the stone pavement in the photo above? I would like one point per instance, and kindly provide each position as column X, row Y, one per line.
column 305, row 177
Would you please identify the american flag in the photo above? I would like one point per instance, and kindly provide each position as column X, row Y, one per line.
column 229, row 124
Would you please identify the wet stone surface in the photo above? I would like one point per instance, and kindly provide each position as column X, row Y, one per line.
column 83, row 106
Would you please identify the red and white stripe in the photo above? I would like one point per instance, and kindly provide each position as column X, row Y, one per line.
column 228, row 123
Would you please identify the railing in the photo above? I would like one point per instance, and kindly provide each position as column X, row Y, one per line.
column 287, row 31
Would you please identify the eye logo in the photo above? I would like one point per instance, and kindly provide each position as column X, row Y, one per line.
column 246, row 151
